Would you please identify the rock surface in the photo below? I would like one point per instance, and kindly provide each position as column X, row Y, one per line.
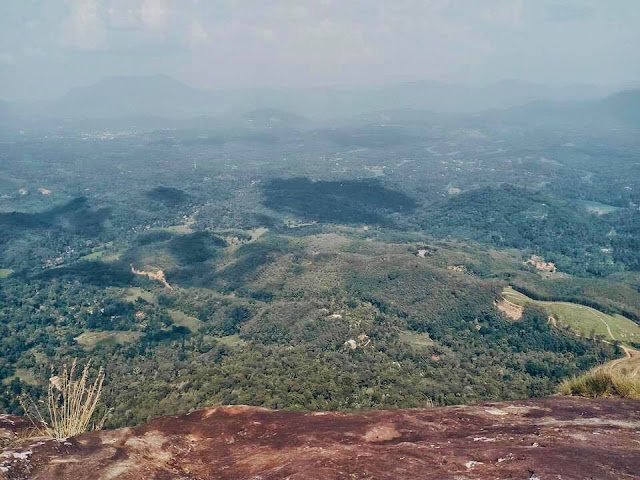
column 548, row 438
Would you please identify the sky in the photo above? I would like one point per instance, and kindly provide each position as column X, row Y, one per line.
column 50, row 46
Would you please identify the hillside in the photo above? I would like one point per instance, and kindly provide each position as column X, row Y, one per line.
column 286, row 248
column 132, row 96
column 559, row 437
column 614, row 110
column 160, row 96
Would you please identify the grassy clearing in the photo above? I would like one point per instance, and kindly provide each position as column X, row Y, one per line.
column 416, row 339
column 233, row 239
column 184, row 320
column 583, row 320
column 93, row 256
column 598, row 208
column 5, row 272
column 326, row 242
column 231, row 340
column 134, row 293
column 102, row 255
column 88, row 340
column 23, row 374
column 111, row 257
column 153, row 259
column 184, row 229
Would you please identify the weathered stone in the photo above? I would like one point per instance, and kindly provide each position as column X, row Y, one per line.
column 548, row 438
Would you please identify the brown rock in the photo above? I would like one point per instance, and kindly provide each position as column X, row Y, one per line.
column 548, row 438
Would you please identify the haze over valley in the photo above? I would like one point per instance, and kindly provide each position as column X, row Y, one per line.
column 269, row 206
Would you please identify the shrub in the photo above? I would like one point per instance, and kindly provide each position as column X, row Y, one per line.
column 601, row 383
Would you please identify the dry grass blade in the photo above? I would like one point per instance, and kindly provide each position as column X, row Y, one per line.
column 71, row 403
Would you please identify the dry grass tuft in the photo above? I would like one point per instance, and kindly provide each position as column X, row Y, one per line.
column 601, row 383
column 71, row 403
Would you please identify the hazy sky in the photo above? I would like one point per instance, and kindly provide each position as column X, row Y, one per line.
column 48, row 46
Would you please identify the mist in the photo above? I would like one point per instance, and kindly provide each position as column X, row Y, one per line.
column 48, row 48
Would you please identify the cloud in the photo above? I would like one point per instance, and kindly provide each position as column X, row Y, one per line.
column 97, row 24
column 197, row 35
column 154, row 14
column 507, row 12
column 568, row 13
column 312, row 42
column 6, row 58
column 83, row 28
column 33, row 51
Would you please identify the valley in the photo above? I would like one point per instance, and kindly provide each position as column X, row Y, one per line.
column 387, row 240
column 362, row 264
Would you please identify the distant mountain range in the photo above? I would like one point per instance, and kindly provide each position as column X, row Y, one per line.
column 161, row 97
column 621, row 108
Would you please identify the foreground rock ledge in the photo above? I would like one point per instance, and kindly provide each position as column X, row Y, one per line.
column 548, row 438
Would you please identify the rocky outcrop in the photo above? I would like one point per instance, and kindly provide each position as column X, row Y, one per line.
column 549, row 438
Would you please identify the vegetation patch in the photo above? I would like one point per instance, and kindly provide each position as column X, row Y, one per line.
column 95, row 273
column 75, row 216
column 168, row 195
column 156, row 236
column 348, row 201
column 512, row 216
column 195, row 247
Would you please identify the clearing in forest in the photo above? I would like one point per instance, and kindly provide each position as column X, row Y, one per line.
column 583, row 320
column 184, row 320
column 89, row 339
column 5, row 272
column 417, row 340
column 134, row 293
column 598, row 208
